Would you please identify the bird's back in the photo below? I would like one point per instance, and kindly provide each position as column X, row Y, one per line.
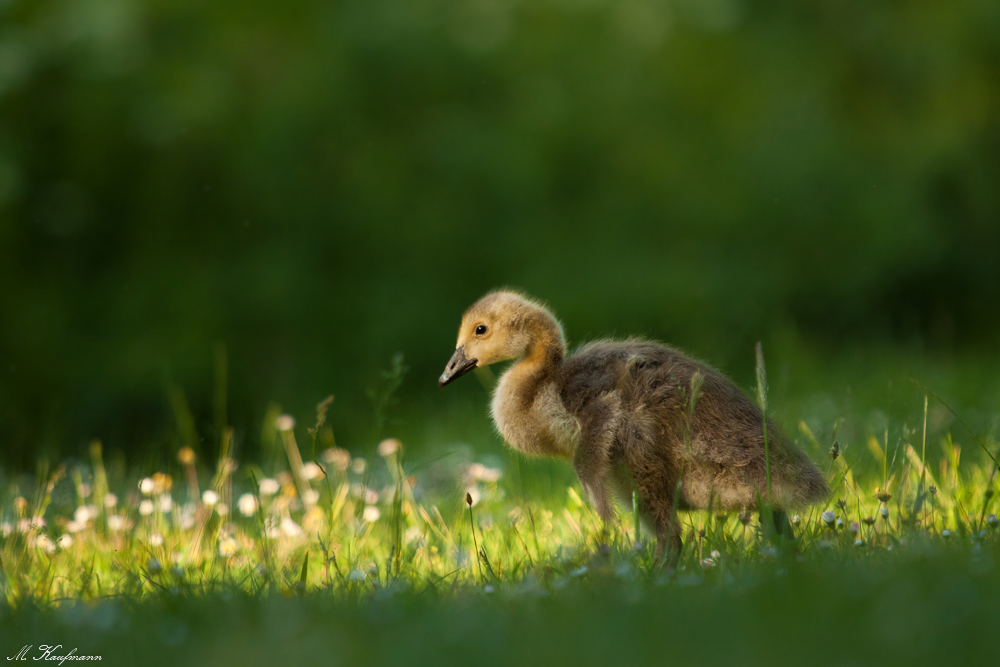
column 719, row 447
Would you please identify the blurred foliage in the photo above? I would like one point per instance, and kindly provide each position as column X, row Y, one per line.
column 319, row 185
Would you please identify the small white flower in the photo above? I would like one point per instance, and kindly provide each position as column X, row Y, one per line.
column 227, row 546
column 84, row 490
column 285, row 422
column 269, row 487
column 358, row 466
column 707, row 563
column 357, row 575
column 371, row 496
column 371, row 514
column 81, row 515
column 311, row 470
column 290, row 528
column 796, row 519
column 65, row 541
column 75, row 526
column 146, row 507
column 45, row 544
column 829, row 517
column 146, row 485
column 210, row 497
column 884, row 511
column 38, row 521
column 310, row 497
column 166, row 504
column 6, row 528
column 248, row 504
column 859, row 542
column 222, row 509
column 715, row 554
column 115, row 523
column 156, row 539
column 110, row 500
column 388, row 447
column 840, row 524
column 946, row 533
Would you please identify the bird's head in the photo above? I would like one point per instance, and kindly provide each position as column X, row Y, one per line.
column 500, row 326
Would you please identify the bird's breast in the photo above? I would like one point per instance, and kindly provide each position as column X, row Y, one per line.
column 538, row 425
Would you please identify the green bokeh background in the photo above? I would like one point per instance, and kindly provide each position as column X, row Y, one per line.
column 316, row 186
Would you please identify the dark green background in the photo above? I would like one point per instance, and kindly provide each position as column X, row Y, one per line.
column 319, row 185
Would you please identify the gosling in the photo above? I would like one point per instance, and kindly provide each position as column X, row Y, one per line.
column 631, row 415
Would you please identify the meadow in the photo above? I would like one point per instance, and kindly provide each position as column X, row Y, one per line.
column 322, row 555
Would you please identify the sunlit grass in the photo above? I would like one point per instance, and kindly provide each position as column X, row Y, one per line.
column 351, row 530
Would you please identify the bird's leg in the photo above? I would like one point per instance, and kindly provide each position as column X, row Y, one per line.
column 668, row 537
column 592, row 460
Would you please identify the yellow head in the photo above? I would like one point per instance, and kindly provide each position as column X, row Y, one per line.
column 500, row 326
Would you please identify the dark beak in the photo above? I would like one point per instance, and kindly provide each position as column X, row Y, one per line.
column 457, row 367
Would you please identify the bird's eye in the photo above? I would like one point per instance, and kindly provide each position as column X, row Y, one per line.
column 481, row 329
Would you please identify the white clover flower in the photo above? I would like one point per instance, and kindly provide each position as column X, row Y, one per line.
column 146, row 507
column 84, row 490
column 45, row 544
column 290, row 528
column 210, row 497
column 156, row 539
column 371, row 496
column 222, row 509
column 358, row 466
column 269, row 487
column 829, row 517
column 247, row 504
column 110, row 500
column 707, row 563
column 65, row 541
column 840, row 523
column 75, row 526
column 796, row 519
column 310, row 497
column 388, row 447
column 284, row 422
column 715, row 554
column 311, row 470
column 166, row 504
column 115, row 523
column 227, row 546
column 38, row 521
column 146, row 485
column 371, row 514
column 81, row 515
column 340, row 458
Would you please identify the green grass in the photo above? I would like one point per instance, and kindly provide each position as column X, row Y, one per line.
column 339, row 559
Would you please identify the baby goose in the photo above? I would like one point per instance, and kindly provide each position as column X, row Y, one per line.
column 621, row 412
